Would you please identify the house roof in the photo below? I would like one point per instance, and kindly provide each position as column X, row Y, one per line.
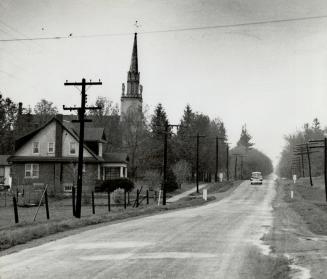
column 3, row 160
column 115, row 157
column 24, row 139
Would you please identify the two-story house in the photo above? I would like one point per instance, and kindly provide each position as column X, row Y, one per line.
column 49, row 155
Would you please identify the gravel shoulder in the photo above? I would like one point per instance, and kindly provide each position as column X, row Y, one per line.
column 294, row 234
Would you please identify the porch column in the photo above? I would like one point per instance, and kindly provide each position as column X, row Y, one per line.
column 121, row 171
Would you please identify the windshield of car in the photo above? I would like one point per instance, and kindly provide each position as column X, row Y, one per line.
column 256, row 174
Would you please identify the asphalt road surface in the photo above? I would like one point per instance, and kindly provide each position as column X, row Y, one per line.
column 210, row 241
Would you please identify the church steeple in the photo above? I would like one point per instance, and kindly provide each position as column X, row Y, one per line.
column 132, row 99
column 133, row 75
column 134, row 62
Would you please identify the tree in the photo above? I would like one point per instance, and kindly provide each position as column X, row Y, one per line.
column 135, row 137
column 182, row 170
column 45, row 110
column 154, row 152
column 285, row 167
column 245, row 139
column 108, row 118
column 8, row 118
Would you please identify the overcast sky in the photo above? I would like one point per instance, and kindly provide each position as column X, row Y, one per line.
column 273, row 77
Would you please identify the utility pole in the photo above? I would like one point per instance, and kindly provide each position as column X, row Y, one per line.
column 81, row 119
column 324, row 146
column 309, row 163
column 198, row 136
column 217, row 158
column 241, row 167
column 235, row 167
column 227, row 161
column 304, row 150
column 165, row 160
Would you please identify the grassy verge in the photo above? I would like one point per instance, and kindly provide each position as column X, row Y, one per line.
column 309, row 202
column 24, row 232
column 266, row 266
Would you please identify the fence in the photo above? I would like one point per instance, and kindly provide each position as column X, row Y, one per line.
column 16, row 206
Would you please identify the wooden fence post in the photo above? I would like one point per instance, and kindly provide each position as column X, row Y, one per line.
column 108, row 200
column 46, row 204
column 137, row 198
column 125, row 198
column 73, row 200
column 93, row 205
column 15, row 209
column 147, row 196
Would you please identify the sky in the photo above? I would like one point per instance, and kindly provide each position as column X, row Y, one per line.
column 271, row 77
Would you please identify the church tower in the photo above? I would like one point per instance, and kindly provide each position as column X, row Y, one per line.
column 132, row 99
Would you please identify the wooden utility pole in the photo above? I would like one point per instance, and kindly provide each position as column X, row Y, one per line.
column 165, row 159
column 309, row 163
column 227, row 161
column 324, row 146
column 217, row 157
column 198, row 136
column 235, row 166
column 81, row 119
column 304, row 150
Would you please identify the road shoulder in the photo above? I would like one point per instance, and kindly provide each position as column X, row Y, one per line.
column 292, row 238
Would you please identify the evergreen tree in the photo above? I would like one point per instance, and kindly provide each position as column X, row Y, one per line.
column 245, row 139
column 158, row 121
column 154, row 156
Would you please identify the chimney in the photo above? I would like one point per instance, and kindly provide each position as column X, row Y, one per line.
column 20, row 108
column 58, row 144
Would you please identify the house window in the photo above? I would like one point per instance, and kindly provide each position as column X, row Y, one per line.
column 51, row 147
column 68, row 187
column 72, row 148
column 2, row 175
column 32, row 170
column 112, row 173
column 36, row 147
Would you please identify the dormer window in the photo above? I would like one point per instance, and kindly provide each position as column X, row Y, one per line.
column 51, row 147
column 72, row 148
column 36, row 147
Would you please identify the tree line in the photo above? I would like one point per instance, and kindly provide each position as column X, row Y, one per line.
column 286, row 166
column 141, row 136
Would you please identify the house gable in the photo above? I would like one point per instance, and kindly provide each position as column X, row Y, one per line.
column 43, row 137
column 67, row 139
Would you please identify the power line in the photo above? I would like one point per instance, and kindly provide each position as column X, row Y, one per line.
column 223, row 26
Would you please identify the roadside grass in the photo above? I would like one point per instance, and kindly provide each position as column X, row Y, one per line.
column 266, row 266
column 26, row 230
column 309, row 202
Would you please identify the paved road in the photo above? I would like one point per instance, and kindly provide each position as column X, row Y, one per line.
column 211, row 241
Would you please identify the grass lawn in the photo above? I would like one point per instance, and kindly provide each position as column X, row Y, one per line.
column 61, row 218
column 309, row 202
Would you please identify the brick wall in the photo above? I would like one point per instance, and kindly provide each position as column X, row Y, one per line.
column 55, row 175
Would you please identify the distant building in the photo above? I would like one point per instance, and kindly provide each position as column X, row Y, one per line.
column 49, row 155
column 132, row 98
column 5, row 179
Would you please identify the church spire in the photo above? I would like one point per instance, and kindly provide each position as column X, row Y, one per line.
column 133, row 76
column 134, row 62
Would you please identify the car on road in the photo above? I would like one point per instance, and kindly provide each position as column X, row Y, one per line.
column 256, row 178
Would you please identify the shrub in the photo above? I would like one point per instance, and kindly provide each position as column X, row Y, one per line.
column 119, row 183
column 171, row 184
